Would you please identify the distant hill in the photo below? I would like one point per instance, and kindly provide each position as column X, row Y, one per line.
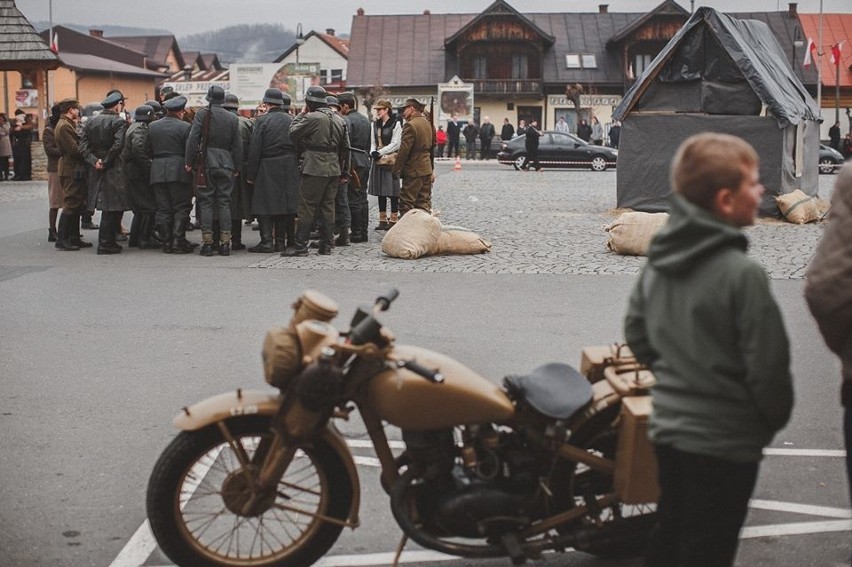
column 109, row 30
column 243, row 43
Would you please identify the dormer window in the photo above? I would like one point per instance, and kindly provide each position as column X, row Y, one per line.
column 581, row 61
column 589, row 61
column 572, row 61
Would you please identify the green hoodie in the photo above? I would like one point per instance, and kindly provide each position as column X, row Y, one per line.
column 703, row 318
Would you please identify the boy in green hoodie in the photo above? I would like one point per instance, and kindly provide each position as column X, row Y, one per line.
column 703, row 318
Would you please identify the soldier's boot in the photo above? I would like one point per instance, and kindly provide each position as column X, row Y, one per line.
column 207, row 244
column 344, row 237
column 358, row 232
column 237, row 235
column 300, row 242
column 135, row 227
column 266, row 244
column 327, row 242
column 225, row 243
column 365, row 223
column 87, row 222
column 63, row 241
column 383, row 221
column 107, row 233
column 181, row 244
column 167, row 238
column 279, row 232
column 394, row 218
column 290, row 230
column 146, row 233
column 73, row 231
column 217, row 234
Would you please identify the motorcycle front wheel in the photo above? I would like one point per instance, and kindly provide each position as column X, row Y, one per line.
column 197, row 491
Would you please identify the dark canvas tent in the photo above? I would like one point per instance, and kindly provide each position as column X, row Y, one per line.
column 723, row 75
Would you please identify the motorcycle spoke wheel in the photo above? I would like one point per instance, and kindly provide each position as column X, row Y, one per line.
column 198, row 493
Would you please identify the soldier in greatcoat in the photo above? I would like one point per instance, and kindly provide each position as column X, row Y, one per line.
column 221, row 155
column 321, row 137
column 414, row 161
column 167, row 139
column 137, row 168
column 359, row 146
column 102, row 142
column 273, row 171
column 72, row 177
column 240, row 207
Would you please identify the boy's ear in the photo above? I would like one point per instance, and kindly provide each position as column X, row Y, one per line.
column 723, row 203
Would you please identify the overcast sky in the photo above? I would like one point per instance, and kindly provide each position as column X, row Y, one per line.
column 203, row 15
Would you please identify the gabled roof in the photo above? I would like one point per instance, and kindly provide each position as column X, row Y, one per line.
column 94, row 64
column 155, row 47
column 835, row 28
column 667, row 8
column 751, row 48
column 72, row 41
column 193, row 58
column 211, row 62
column 341, row 46
column 20, row 45
column 499, row 8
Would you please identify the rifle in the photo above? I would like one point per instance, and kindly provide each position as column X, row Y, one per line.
column 201, row 156
column 432, row 124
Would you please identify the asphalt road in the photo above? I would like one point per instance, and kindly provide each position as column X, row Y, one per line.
column 98, row 353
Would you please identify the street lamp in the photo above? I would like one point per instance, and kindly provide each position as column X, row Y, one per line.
column 300, row 39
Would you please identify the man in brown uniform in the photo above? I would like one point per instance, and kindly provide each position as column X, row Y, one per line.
column 414, row 160
column 72, row 176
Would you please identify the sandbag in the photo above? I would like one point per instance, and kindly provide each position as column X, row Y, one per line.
column 416, row 234
column 631, row 233
column 798, row 208
column 458, row 240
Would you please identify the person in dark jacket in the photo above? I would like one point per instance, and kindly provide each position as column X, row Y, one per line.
column 137, row 169
column 508, row 131
column 359, row 146
column 273, row 172
column 834, row 136
column 102, row 142
column 22, row 138
column 241, row 197
column 584, row 130
column 531, row 140
column 723, row 384
column 220, row 156
column 471, row 131
column 170, row 181
column 486, row 134
column 72, row 177
column 454, row 128
column 54, row 188
column 615, row 134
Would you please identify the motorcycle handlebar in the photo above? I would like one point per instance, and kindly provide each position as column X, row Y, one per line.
column 431, row 375
column 383, row 302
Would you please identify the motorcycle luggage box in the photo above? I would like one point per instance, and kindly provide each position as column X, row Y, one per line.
column 595, row 359
column 630, row 379
column 635, row 461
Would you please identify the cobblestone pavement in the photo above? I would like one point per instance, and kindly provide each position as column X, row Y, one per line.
column 548, row 223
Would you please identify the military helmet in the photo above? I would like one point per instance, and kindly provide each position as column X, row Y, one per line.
column 285, row 98
column 216, row 94
column 331, row 100
column 232, row 102
column 143, row 113
column 316, row 95
column 158, row 108
column 273, row 96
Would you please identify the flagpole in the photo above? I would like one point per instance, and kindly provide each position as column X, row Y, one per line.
column 50, row 46
column 836, row 84
column 819, row 63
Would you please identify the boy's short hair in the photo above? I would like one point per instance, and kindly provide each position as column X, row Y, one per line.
column 708, row 162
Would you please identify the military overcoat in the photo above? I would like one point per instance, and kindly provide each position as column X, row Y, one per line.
column 272, row 166
column 137, row 168
column 103, row 139
column 167, row 139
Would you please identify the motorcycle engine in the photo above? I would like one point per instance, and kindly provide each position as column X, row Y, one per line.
column 483, row 487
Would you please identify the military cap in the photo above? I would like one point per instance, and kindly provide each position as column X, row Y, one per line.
column 67, row 103
column 173, row 94
column 383, row 104
column 273, row 96
column 419, row 106
column 112, row 99
column 216, row 94
column 331, row 100
column 232, row 102
column 143, row 113
column 166, row 90
column 347, row 97
column 175, row 104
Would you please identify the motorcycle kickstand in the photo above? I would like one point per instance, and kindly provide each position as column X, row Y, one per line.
column 399, row 549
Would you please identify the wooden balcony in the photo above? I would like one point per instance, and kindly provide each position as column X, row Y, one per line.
column 503, row 87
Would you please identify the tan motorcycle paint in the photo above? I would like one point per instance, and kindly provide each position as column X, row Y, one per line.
column 257, row 402
column 409, row 401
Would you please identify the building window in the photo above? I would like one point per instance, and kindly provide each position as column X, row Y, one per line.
column 581, row 61
column 337, row 75
column 519, row 67
column 589, row 61
column 572, row 61
column 323, row 76
column 480, row 67
column 641, row 62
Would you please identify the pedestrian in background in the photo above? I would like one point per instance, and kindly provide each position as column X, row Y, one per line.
column 522, row 128
column 454, row 129
column 5, row 147
column 531, row 139
column 597, row 131
column 584, row 130
column 834, row 136
column 22, row 137
column 54, row 188
column 507, row 132
column 828, row 291
column 723, row 386
column 414, row 161
column 384, row 146
column 441, row 141
column 470, row 132
column 562, row 126
column 614, row 134
column 486, row 134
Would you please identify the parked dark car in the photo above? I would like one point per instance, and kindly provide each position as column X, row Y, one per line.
column 556, row 149
column 830, row 160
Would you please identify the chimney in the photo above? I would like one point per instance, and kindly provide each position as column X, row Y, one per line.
column 793, row 10
column 427, row 13
column 96, row 33
column 329, row 31
column 359, row 12
column 603, row 8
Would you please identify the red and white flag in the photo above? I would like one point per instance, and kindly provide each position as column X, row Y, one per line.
column 835, row 52
column 810, row 51
column 54, row 43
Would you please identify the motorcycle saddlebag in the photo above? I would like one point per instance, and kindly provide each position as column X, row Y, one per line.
column 635, row 461
column 595, row 359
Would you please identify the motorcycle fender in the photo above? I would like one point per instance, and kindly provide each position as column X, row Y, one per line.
column 257, row 402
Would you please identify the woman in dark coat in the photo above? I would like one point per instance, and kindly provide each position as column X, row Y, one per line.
column 54, row 189
column 384, row 141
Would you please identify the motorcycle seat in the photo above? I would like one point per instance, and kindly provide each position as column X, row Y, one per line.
column 555, row 390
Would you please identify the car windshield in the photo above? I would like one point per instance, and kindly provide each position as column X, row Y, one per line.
column 566, row 139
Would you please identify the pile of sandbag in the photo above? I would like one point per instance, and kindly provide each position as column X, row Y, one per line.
column 798, row 208
column 419, row 233
column 631, row 233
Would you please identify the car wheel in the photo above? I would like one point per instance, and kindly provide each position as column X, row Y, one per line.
column 598, row 163
column 519, row 161
column 826, row 165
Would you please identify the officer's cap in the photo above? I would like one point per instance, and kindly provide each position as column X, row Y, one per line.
column 232, row 102
column 112, row 99
column 175, row 104
column 273, row 96
column 67, row 103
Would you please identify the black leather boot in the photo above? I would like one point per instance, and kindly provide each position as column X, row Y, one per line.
column 87, row 222
column 166, row 238
column 74, row 231
column 181, row 244
column 266, row 244
column 343, row 237
column 107, row 233
column 300, row 242
column 290, row 230
column 237, row 235
column 62, row 240
column 327, row 241
column 146, row 233
column 135, row 228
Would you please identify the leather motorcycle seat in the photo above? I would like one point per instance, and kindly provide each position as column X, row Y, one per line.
column 555, row 390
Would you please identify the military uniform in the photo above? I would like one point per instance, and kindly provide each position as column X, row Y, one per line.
column 274, row 172
column 102, row 142
column 359, row 140
column 414, row 165
column 137, row 168
column 321, row 137
column 72, row 179
column 167, row 140
column 223, row 157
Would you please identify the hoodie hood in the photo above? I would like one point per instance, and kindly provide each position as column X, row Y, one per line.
column 691, row 235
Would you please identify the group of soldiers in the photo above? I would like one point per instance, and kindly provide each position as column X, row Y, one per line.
column 300, row 175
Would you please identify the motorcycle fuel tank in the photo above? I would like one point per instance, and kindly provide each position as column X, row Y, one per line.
column 411, row 402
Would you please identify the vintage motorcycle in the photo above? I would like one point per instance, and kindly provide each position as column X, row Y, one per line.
column 265, row 478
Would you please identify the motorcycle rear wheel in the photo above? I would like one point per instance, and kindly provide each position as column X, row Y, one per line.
column 196, row 482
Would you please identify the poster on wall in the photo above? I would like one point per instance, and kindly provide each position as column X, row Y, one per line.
column 250, row 80
column 196, row 91
column 26, row 98
column 455, row 97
